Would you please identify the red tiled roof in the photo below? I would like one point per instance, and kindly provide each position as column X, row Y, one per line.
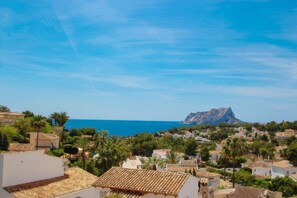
column 144, row 181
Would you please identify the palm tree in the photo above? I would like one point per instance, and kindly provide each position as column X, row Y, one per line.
column 234, row 148
column 173, row 157
column 111, row 152
column 38, row 122
column 84, row 145
column 224, row 160
column 152, row 163
column 59, row 119
column 28, row 114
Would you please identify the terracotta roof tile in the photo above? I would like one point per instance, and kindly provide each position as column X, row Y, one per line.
column 179, row 168
column 206, row 174
column 144, row 181
column 75, row 179
column 123, row 194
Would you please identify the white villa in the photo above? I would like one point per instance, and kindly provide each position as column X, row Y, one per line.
column 260, row 168
column 138, row 183
column 33, row 174
column 282, row 168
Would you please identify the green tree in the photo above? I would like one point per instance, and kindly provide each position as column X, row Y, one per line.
column 111, row 152
column 245, row 178
column 28, row 114
column 173, row 157
column 224, row 161
column 204, row 153
column 152, row 163
column 4, row 108
column 23, row 125
column 38, row 122
column 291, row 153
column 83, row 144
column 143, row 144
column 4, row 143
column 285, row 185
column 59, row 119
column 234, row 148
column 191, row 147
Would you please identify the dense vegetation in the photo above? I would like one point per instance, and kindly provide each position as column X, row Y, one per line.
column 96, row 151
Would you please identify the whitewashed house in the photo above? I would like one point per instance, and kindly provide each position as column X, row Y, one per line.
column 45, row 140
column 260, row 168
column 282, row 168
column 146, row 184
column 160, row 153
column 35, row 174
column 132, row 162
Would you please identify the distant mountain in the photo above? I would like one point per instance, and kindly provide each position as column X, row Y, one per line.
column 213, row 117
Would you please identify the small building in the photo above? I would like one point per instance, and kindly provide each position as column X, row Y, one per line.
column 33, row 174
column 10, row 117
column 260, row 168
column 132, row 162
column 286, row 134
column 45, row 140
column 282, row 168
column 215, row 155
column 212, row 179
column 146, row 184
column 246, row 192
column 160, row 153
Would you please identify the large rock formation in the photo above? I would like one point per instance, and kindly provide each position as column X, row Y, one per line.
column 213, row 117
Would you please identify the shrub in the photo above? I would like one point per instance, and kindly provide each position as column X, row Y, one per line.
column 56, row 152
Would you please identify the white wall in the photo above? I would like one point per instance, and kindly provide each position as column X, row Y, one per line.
column 282, row 172
column 4, row 194
column 262, row 171
column 190, row 188
column 86, row 193
column 25, row 167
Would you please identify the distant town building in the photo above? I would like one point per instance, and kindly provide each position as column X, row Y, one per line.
column 260, row 168
column 282, row 168
column 215, row 155
column 286, row 134
column 10, row 117
column 132, row 162
column 160, row 153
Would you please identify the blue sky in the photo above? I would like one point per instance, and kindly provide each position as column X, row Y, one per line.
column 150, row 59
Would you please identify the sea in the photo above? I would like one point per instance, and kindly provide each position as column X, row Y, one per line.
column 123, row 127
